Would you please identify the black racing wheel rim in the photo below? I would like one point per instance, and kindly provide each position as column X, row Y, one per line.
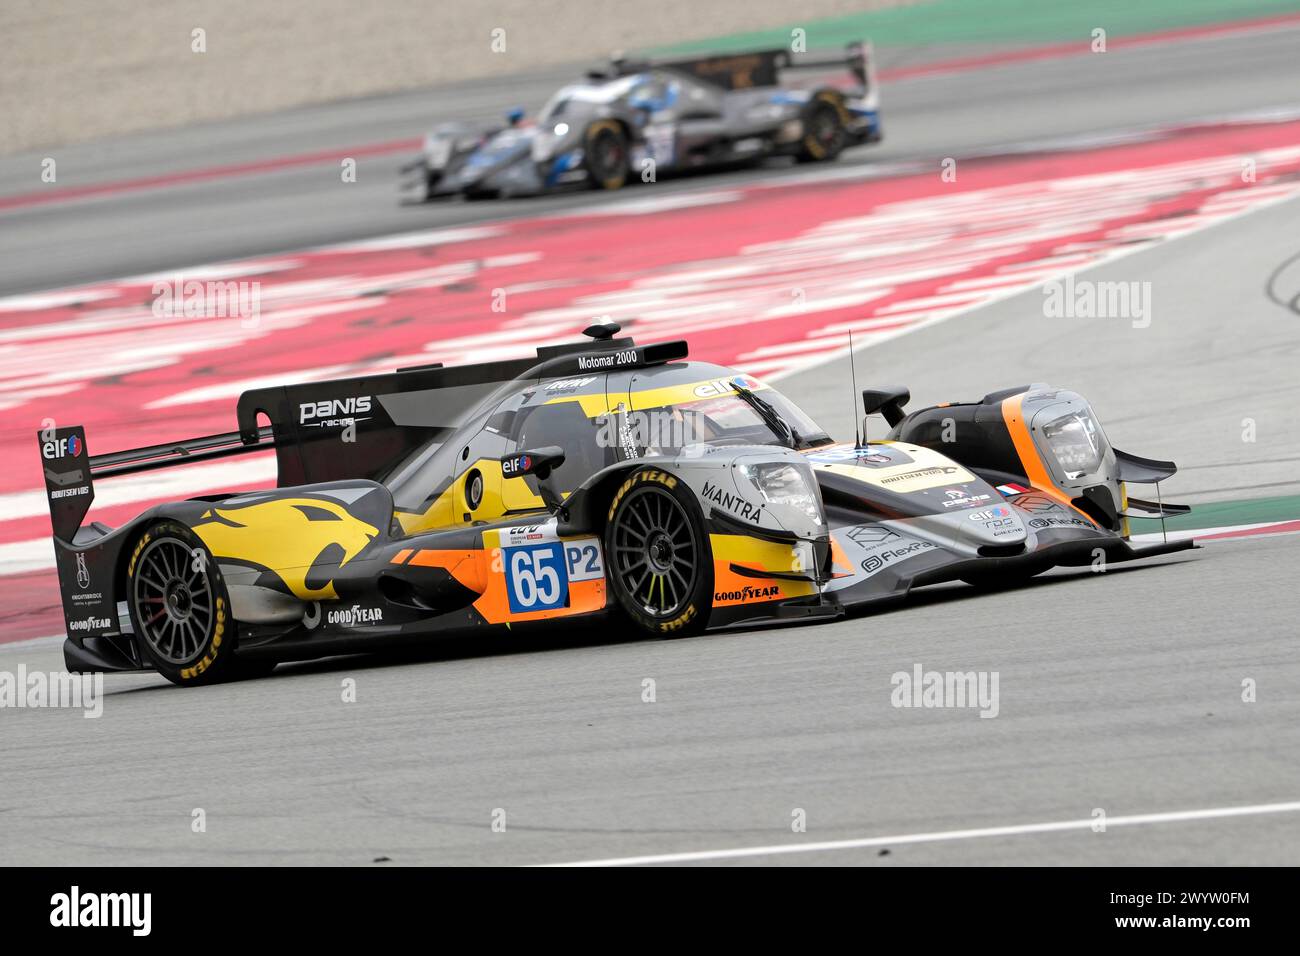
column 825, row 128
column 174, row 599
column 656, row 553
column 608, row 154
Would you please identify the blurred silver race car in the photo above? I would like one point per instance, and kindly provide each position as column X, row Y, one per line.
column 646, row 117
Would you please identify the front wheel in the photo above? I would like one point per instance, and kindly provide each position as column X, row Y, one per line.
column 605, row 147
column 661, row 564
column 179, row 607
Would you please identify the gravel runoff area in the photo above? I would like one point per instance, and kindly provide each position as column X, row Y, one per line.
column 85, row 69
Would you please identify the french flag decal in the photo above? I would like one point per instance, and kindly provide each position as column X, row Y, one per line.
column 1012, row 489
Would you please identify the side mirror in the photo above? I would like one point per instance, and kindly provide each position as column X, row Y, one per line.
column 540, row 462
column 889, row 401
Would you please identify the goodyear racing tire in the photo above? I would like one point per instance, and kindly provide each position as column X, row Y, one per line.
column 180, row 609
column 606, row 150
column 660, row 561
column 824, row 135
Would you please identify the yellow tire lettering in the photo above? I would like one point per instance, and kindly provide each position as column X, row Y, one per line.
column 130, row 570
column 679, row 622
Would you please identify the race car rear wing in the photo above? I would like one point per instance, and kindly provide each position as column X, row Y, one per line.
column 364, row 427
column 758, row 68
column 70, row 472
column 332, row 430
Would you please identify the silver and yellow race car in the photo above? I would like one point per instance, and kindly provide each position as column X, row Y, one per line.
column 596, row 480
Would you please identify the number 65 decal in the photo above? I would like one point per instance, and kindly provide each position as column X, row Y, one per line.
column 536, row 579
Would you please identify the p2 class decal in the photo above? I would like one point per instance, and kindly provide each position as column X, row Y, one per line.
column 536, row 577
column 583, row 560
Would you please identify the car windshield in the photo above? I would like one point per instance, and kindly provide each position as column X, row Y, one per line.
column 760, row 416
column 554, row 109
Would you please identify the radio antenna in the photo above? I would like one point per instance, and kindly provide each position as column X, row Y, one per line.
column 1160, row 503
column 858, row 435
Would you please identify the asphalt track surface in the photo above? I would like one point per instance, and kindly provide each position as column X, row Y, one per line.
column 1118, row 690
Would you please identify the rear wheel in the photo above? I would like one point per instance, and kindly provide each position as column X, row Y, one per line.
column 661, row 565
column 180, row 609
column 605, row 148
column 824, row 136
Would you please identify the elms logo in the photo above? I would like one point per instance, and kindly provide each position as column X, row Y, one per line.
column 69, row 447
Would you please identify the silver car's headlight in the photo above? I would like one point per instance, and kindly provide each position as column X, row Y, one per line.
column 542, row 146
column 1076, row 442
column 545, row 141
column 437, row 151
column 783, row 483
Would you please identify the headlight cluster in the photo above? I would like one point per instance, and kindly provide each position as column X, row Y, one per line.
column 542, row 146
column 437, row 151
column 1077, row 443
column 546, row 141
column 783, row 483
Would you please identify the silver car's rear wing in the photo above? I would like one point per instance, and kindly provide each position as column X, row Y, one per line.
column 759, row 68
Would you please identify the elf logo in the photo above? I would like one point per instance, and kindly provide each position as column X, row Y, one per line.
column 69, row 447
column 519, row 465
column 726, row 386
column 333, row 410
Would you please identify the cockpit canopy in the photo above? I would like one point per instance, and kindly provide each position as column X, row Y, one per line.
column 603, row 418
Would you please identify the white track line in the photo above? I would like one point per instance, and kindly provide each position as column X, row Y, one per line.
column 941, row 836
